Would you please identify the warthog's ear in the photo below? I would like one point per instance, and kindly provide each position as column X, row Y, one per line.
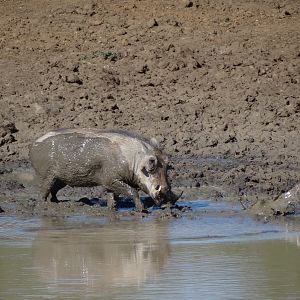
column 154, row 142
column 149, row 164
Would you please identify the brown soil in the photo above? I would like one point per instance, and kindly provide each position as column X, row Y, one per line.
column 217, row 82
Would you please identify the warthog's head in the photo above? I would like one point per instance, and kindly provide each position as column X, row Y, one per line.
column 154, row 178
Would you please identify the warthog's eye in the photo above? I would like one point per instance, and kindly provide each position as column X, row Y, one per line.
column 152, row 164
column 152, row 169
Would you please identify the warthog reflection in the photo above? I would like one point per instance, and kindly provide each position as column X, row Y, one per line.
column 115, row 254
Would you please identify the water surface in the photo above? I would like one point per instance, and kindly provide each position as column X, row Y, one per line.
column 209, row 256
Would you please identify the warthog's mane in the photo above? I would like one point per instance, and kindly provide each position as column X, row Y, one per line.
column 94, row 131
column 153, row 142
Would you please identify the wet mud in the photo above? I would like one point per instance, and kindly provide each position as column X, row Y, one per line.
column 216, row 82
column 20, row 195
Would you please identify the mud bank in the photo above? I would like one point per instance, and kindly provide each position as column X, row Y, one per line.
column 217, row 82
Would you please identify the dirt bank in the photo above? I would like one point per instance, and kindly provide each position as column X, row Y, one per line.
column 216, row 81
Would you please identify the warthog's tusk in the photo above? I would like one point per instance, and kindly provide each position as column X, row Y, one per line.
column 178, row 197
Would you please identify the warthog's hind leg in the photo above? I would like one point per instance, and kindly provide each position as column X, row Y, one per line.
column 52, row 186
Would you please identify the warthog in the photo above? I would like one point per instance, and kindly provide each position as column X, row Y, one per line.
column 120, row 161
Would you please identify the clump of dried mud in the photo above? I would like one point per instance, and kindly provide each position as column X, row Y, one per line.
column 217, row 82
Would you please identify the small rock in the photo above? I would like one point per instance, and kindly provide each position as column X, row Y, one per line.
column 142, row 69
column 96, row 23
column 1, row 210
column 115, row 107
column 212, row 143
column 5, row 170
column 8, row 128
column 73, row 78
column 122, row 32
column 152, row 23
column 188, row 3
column 284, row 14
column 74, row 67
column 83, row 95
column 38, row 108
column 174, row 23
column 7, row 139
column 230, row 138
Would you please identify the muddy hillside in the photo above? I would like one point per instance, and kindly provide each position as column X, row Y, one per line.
column 217, row 82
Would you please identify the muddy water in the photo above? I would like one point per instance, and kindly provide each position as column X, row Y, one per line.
column 217, row 255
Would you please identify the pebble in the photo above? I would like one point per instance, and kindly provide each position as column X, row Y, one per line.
column 73, row 78
column 188, row 3
column 152, row 23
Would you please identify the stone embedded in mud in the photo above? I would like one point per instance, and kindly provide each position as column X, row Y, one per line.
column 8, row 139
column 12, row 185
column 152, row 23
column 230, row 138
column 285, row 204
column 142, row 68
column 212, row 143
column 285, row 13
column 115, row 107
column 83, row 95
column 188, row 3
column 6, row 133
column 73, row 78
column 5, row 170
column 8, row 128
column 74, row 67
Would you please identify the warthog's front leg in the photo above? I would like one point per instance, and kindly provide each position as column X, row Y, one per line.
column 122, row 188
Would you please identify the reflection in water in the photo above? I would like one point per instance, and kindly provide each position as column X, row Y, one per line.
column 117, row 254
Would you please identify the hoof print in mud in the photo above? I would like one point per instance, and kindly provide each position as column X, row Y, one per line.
column 119, row 161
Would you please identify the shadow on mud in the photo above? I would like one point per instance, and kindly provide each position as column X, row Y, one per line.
column 121, row 204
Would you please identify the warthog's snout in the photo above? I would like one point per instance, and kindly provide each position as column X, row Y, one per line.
column 158, row 195
column 165, row 195
column 170, row 198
